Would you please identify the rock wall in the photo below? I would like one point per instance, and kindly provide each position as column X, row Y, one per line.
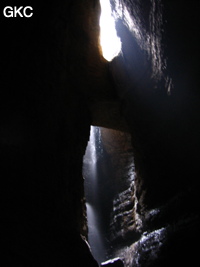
column 49, row 77
column 164, row 129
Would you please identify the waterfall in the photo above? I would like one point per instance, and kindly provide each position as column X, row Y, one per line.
column 108, row 169
column 90, row 173
column 94, row 234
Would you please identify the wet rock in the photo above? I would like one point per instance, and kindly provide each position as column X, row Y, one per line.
column 113, row 263
column 123, row 215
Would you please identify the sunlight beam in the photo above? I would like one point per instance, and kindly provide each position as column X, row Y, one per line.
column 110, row 42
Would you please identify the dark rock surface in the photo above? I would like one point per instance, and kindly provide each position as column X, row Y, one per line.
column 164, row 128
column 44, row 129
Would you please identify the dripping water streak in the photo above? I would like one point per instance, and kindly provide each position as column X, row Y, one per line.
column 90, row 172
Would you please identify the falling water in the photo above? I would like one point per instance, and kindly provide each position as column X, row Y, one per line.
column 90, row 172
column 94, row 234
column 108, row 169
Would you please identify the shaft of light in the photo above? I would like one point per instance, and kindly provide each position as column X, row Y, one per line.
column 110, row 42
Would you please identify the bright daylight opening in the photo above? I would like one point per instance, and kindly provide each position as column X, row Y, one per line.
column 110, row 42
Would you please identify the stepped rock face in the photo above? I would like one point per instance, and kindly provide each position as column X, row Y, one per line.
column 55, row 84
column 161, row 109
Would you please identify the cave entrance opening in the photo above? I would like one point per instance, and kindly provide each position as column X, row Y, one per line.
column 109, row 41
column 108, row 171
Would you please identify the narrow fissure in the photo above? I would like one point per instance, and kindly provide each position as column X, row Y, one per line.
column 108, row 172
